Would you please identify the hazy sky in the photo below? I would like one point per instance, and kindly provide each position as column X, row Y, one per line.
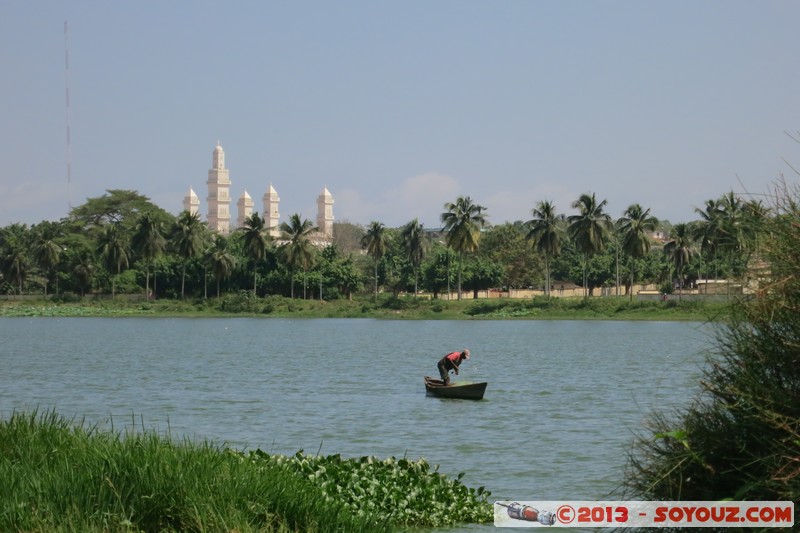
column 399, row 106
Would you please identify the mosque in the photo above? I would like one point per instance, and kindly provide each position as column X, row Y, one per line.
column 219, row 204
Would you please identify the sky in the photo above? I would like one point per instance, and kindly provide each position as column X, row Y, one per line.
column 398, row 107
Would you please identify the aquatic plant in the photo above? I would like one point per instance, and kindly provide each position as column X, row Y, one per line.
column 398, row 491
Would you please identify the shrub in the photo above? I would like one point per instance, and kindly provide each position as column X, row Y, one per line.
column 240, row 302
column 740, row 439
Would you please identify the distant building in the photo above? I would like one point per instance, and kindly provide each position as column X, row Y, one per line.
column 219, row 203
column 325, row 213
column 191, row 202
column 219, row 197
column 271, row 214
column 244, row 208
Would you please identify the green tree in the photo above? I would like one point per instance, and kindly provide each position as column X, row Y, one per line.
column 416, row 245
column 546, row 232
column 741, row 224
column 635, row 227
column 148, row 241
column 188, row 237
column 463, row 222
column 482, row 274
column 116, row 206
column 589, row 230
column 112, row 246
column 256, row 243
column 505, row 245
column 84, row 271
column 343, row 274
column 298, row 250
column 707, row 231
column 220, row 260
column 15, row 260
column 375, row 242
column 46, row 249
column 436, row 275
column 680, row 250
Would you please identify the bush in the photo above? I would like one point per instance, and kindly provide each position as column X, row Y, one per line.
column 741, row 438
column 240, row 302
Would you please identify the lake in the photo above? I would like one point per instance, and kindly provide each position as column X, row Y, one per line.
column 564, row 400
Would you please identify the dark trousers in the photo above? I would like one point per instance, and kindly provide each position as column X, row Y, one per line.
column 445, row 365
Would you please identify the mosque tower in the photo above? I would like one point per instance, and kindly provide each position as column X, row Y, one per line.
column 191, row 202
column 325, row 213
column 219, row 199
column 244, row 208
column 271, row 215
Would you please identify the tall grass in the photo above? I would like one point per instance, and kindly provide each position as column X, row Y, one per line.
column 61, row 476
column 58, row 475
column 740, row 439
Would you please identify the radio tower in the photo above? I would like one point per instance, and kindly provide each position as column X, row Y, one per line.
column 69, row 148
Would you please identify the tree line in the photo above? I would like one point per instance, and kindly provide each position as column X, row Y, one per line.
column 121, row 243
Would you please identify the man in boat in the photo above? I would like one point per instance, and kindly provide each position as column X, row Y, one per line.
column 450, row 362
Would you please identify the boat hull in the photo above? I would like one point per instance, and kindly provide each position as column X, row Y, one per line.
column 462, row 391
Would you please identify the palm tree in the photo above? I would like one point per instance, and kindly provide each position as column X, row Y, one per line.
column 755, row 214
column 708, row 231
column 546, row 232
column 416, row 246
column 148, row 241
column 463, row 222
column 375, row 242
column 634, row 226
column 46, row 252
column 113, row 247
column 298, row 251
column 736, row 233
column 680, row 250
column 221, row 261
column 589, row 230
column 14, row 258
column 188, row 236
column 256, row 242
column 84, row 271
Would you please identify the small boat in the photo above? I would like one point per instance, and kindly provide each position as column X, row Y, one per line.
column 463, row 391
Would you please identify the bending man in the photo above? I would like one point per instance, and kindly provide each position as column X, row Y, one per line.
column 450, row 362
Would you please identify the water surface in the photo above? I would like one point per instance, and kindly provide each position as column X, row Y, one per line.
column 563, row 402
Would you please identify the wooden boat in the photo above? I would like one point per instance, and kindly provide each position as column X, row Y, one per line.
column 463, row 391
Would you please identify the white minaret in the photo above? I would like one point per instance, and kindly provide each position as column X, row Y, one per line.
column 325, row 213
column 191, row 202
column 219, row 198
column 244, row 208
column 271, row 215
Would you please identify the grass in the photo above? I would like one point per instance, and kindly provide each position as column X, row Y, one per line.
column 386, row 307
column 58, row 475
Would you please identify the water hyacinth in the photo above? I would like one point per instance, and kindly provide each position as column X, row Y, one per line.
column 395, row 491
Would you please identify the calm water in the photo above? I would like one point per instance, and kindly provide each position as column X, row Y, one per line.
column 563, row 401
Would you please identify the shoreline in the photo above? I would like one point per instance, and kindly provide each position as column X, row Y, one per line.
column 385, row 307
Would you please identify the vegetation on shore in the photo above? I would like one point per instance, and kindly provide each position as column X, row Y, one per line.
column 244, row 303
column 123, row 244
column 62, row 476
column 740, row 440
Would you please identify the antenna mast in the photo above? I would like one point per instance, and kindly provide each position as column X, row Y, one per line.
column 69, row 147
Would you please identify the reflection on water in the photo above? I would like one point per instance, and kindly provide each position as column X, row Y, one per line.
column 563, row 402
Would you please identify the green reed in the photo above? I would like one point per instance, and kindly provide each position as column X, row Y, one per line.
column 59, row 475
column 64, row 475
